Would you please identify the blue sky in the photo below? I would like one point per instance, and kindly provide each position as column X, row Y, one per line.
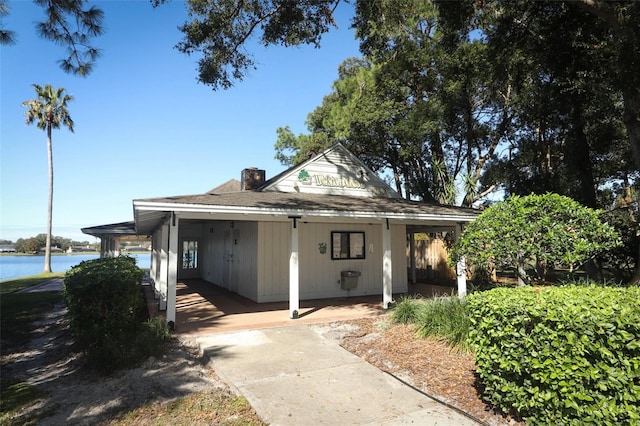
column 144, row 127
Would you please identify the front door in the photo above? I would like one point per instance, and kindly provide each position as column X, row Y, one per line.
column 230, row 261
column 189, row 262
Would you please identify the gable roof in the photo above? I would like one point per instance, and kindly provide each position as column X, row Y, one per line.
column 335, row 170
column 332, row 185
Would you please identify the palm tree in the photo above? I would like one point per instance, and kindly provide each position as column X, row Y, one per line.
column 48, row 111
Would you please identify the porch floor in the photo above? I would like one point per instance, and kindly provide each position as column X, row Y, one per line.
column 204, row 308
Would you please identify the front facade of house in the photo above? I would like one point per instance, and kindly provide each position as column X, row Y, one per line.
column 326, row 228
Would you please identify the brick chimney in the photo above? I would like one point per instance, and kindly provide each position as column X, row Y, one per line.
column 251, row 178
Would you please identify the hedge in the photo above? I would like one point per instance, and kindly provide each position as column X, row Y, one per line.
column 107, row 308
column 559, row 355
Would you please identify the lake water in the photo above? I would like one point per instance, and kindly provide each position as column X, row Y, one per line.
column 23, row 266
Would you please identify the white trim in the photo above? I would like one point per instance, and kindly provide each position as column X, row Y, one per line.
column 235, row 210
column 294, row 273
column 461, row 269
column 387, row 264
column 164, row 266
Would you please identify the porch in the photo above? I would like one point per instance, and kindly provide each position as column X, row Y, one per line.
column 204, row 308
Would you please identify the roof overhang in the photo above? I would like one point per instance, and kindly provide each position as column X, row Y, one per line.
column 150, row 214
column 122, row 230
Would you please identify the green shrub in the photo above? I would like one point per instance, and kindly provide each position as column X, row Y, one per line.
column 152, row 337
column 443, row 318
column 406, row 310
column 560, row 355
column 106, row 309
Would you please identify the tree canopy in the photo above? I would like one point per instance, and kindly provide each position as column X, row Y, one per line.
column 69, row 23
column 454, row 99
column 548, row 230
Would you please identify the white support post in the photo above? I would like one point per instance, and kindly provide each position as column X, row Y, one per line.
column 461, row 269
column 172, row 276
column 155, row 258
column 461, row 277
column 116, row 247
column 294, row 272
column 152, row 263
column 387, row 272
column 164, row 266
column 103, row 246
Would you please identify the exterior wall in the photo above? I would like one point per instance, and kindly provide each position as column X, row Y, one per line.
column 399, row 258
column 212, row 254
column 229, row 256
column 245, row 259
column 335, row 172
column 274, row 246
column 319, row 274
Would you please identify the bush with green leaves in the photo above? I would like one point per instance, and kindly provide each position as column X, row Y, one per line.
column 548, row 229
column 621, row 261
column 108, row 312
column 559, row 355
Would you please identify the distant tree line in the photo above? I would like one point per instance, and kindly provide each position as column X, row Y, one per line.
column 37, row 243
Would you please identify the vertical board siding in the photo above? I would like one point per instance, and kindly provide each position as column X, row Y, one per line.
column 245, row 258
column 399, row 258
column 336, row 164
column 320, row 275
column 213, row 255
column 274, row 246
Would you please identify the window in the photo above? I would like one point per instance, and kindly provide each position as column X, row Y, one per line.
column 347, row 245
column 189, row 255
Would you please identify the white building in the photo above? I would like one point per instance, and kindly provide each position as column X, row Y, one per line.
column 328, row 227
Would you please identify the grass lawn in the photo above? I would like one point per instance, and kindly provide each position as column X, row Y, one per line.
column 18, row 311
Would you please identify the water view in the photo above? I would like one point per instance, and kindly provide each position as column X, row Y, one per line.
column 21, row 266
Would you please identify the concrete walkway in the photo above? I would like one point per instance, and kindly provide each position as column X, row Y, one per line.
column 295, row 375
column 54, row 284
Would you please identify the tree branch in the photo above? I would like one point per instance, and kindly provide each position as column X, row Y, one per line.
column 602, row 11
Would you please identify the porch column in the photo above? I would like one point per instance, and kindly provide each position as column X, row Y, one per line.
column 152, row 262
column 115, row 252
column 172, row 276
column 156, row 240
column 412, row 251
column 294, row 272
column 461, row 268
column 103, row 246
column 109, row 247
column 164, row 266
column 387, row 276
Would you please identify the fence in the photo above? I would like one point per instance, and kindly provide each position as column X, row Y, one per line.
column 431, row 259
